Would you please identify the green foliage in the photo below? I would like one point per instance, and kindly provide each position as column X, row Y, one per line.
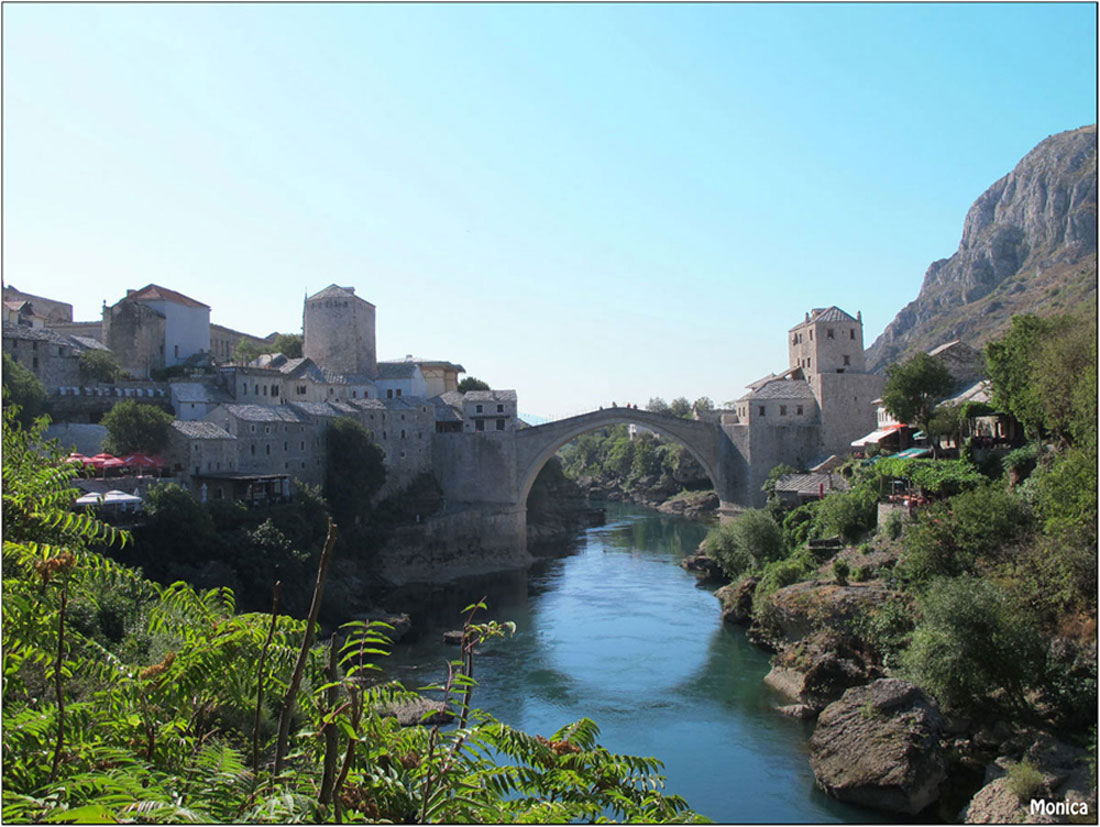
column 841, row 570
column 680, row 407
column 894, row 525
column 941, row 477
column 886, row 628
column 23, row 390
column 657, row 405
column 288, row 344
column 1043, row 372
column 1067, row 490
column 354, row 470
column 132, row 426
column 704, row 404
column 971, row 640
column 472, row 383
column 246, row 351
column 745, row 543
column 98, row 366
column 914, row 388
column 1021, row 462
column 777, row 575
column 1024, row 780
column 798, row 525
column 847, row 514
column 950, row 538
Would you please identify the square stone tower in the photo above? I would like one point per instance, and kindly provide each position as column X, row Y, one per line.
column 828, row 341
column 338, row 332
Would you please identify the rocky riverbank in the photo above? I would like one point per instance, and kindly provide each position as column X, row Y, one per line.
column 881, row 742
column 664, row 494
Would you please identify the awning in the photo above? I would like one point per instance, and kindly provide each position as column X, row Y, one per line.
column 912, row 453
column 875, row 437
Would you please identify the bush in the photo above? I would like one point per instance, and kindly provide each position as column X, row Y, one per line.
column 746, row 543
column 950, row 537
column 971, row 640
column 779, row 574
column 849, row 514
column 798, row 525
column 98, row 366
column 894, row 525
column 1024, row 780
column 22, row 388
column 840, row 572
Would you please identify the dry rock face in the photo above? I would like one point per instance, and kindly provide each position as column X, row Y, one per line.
column 818, row 670
column 736, row 600
column 1028, row 245
column 796, row 611
column 879, row 746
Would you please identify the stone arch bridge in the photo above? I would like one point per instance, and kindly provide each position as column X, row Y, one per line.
column 487, row 476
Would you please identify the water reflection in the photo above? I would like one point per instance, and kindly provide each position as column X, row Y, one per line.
column 619, row 633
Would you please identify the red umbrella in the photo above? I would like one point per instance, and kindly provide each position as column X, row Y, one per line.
column 140, row 460
column 76, row 457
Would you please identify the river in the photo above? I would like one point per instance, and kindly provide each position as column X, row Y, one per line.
column 619, row 633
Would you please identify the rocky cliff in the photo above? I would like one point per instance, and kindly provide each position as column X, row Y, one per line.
column 1028, row 245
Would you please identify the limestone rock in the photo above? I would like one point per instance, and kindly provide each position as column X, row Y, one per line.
column 704, row 566
column 736, row 600
column 878, row 746
column 1028, row 245
column 819, row 670
column 798, row 610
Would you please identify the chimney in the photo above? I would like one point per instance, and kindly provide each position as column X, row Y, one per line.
column 130, row 293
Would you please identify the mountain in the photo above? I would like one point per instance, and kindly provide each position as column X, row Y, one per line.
column 1028, row 245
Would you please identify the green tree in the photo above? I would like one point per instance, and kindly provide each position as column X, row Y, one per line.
column 98, row 366
column 914, row 388
column 246, row 351
column 472, row 383
column 680, row 407
column 354, row 470
column 972, row 639
column 657, row 405
column 704, row 404
column 24, row 390
column 746, row 543
column 288, row 344
column 133, row 426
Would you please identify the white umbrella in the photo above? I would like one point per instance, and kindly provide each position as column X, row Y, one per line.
column 116, row 497
column 89, row 499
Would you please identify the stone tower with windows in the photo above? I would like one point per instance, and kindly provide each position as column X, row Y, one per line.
column 828, row 349
column 338, row 332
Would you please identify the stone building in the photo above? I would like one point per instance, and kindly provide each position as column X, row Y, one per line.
column 224, row 340
column 203, row 454
column 489, row 410
column 49, row 309
column 397, row 379
column 338, row 332
column 812, row 410
column 53, row 358
column 155, row 327
column 194, row 400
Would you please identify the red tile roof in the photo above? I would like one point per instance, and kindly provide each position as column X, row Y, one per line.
column 154, row 292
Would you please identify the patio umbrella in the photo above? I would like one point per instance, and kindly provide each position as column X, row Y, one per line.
column 76, row 457
column 116, row 497
column 89, row 499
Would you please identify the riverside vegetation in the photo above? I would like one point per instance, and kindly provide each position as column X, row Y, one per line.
column 985, row 598
column 125, row 700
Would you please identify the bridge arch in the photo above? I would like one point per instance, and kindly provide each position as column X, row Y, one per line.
column 535, row 446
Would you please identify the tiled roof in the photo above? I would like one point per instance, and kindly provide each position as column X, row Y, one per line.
column 321, row 408
column 978, row 392
column 199, row 392
column 429, row 363
column 264, row 413
column 811, row 483
column 826, row 314
column 331, row 377
column 88, row 343
column 42, row 334
column 397, row 370
column 334, row 291
column 198, row 429
column 490, row 396
column 781, row 389
column 156, row 293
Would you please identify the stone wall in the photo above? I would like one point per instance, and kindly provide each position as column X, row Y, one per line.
column 476, row 468
column 338, row 332
column 135, row 334
column 456, row 543
column 54, row 364
column 847, row 412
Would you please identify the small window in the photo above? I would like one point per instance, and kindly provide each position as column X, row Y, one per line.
column 761, row 410
column 274, row 390
column 265, row 390
column 303, row 446
column 177, row 351
column 480, row 425
column 34, row 363
column 267, row 429
column 267, row 450
column 402, row 433
column 478, row 409
column 197, row 470
column 500, row 424
column 256, row 390
column 34, row 345
column 809, row 361
column 383, row 435
column 244, row 389
column 798, row 410
column 847, row 360
column 252, row 428
column 389, row 393
column 852, row 333
column 355, row 394
column 253, row 448
column 782, row 410
column 500, row 409
column 829, row 334
column 286, row 446
column 399, row 391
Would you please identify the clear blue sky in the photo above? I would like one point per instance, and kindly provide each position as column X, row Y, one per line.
column 586, row 203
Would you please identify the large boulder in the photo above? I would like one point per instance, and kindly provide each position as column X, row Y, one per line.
column 704, row 566
column 879, row 746
column 818, row 670
column 796, row 611
column 736, row 600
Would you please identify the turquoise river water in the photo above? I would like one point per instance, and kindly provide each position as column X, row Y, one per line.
column 619, row 633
